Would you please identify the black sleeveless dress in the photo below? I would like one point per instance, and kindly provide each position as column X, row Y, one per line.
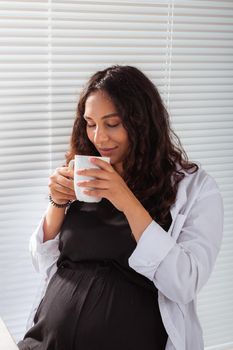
column 95, row 300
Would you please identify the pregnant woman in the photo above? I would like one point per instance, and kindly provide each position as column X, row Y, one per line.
column 124, row 273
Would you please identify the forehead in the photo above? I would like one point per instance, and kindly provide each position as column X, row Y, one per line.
column 99, row 103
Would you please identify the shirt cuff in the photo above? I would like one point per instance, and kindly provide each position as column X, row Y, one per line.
column 36, row 241
column 152, row 247
column 43, row 254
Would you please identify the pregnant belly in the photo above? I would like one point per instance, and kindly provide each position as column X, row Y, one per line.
column 94, row 307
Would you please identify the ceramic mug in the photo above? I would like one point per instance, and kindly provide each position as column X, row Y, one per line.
column 82, row 162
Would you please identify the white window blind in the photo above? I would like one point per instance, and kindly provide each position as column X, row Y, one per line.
column 48, row 49
column 201, row 105
column 90, row 35
column 24, row 149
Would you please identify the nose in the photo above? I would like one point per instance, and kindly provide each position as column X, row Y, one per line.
column 100, row 137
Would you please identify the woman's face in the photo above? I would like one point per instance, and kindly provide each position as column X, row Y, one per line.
column 105, row 130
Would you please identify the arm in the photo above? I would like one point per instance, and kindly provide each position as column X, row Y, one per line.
column 179, row 269
column 52, row 222
column 62, row 190
column 44, row 241
column 138, row 218
column 44, row 254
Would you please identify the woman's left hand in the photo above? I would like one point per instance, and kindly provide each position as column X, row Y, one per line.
column 107, row 184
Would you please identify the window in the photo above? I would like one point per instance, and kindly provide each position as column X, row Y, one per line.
column 48, row 49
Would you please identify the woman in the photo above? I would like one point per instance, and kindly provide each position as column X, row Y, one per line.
column 124, row 273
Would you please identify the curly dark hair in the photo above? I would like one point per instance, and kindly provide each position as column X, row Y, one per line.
column 153, row 167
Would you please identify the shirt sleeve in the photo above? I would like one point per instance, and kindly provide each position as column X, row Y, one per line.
column 179, row 268
column 44, row 254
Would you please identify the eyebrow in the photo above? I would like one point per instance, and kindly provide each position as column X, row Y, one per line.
column 105, row 116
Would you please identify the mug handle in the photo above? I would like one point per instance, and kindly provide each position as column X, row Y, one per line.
column 71, row 164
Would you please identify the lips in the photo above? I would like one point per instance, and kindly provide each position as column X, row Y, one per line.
column 107, row 149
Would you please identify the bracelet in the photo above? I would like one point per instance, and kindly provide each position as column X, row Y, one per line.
column 58, row 205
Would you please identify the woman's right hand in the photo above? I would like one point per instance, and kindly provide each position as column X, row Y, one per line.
column 61, row 185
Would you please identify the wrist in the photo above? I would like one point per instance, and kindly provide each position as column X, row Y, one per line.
column 138, row 218
column 133, row 204
column 58, row 204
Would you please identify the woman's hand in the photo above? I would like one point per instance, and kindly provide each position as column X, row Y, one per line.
column 107, row 184
column 61, row 185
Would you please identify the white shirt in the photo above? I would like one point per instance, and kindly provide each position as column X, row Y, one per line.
column 179, row 261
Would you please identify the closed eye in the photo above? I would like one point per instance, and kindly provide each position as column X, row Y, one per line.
column 110, row 126
column 113, row 126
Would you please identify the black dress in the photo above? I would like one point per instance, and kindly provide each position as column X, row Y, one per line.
column 95, row 300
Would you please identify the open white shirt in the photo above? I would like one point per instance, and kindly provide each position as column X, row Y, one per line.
column 179, row 261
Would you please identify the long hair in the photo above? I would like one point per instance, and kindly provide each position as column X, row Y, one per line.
column 153, row 167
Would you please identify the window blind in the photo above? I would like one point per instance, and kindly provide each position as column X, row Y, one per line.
column 48, row 51
column 201, row 105
column 24, row 150
column 87, row 36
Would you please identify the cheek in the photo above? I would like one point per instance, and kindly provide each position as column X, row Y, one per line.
column 125, row 139
column 89, row 134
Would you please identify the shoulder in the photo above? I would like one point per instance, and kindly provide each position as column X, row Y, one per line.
column 200, row 180
column 195, row 186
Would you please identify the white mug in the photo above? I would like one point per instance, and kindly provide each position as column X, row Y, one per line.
column 82, row 162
